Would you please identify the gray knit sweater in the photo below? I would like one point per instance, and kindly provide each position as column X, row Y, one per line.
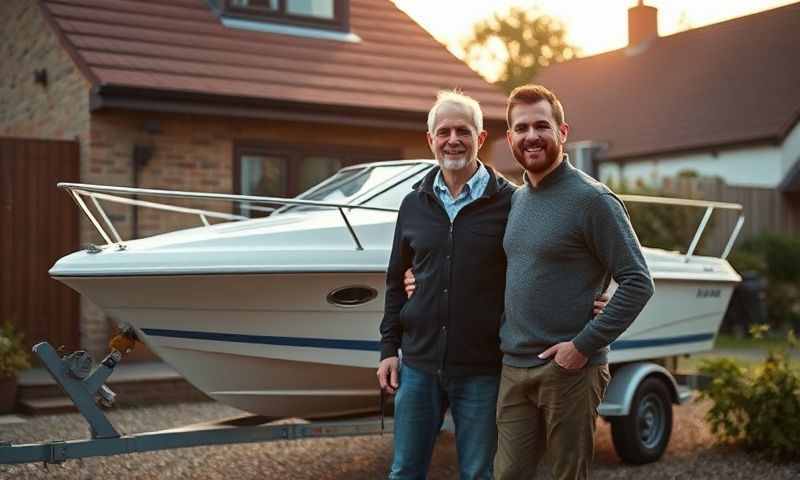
column 565, row 239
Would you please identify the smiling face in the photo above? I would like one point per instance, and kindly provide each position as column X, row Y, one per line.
column 455, row 140
column 535, row 138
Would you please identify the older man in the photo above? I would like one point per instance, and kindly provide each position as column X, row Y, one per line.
column 449, row 230
column 567, row 236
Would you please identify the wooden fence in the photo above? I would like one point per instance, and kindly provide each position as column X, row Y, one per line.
column 766, row 210
column 38, row 225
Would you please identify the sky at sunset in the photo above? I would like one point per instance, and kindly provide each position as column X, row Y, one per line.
column 594, row 26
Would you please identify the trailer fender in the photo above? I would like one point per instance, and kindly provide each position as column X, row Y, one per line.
column 624, row 382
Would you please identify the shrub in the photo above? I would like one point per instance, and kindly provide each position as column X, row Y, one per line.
column 13, row 356
column 777, row 258
column 662, row 226
column 759, row 407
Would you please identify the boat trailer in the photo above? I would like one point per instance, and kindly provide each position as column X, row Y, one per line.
column 86, row 388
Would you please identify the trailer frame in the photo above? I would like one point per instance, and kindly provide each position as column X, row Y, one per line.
column 105, row 440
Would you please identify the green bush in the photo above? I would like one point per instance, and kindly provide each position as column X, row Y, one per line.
column 777, row 258
column 13, row 356
column 757, row 407
column 663, row 226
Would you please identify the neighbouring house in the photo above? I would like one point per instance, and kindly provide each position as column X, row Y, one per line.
column 258, row 97
column 722, row 101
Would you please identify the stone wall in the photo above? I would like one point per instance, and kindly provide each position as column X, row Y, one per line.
column 59, row 110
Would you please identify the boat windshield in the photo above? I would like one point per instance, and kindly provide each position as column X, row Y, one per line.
column 348, row 186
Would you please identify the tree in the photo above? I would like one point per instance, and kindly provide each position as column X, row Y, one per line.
column 516, row 44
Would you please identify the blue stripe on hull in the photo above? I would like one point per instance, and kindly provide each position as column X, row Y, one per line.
column 374, row 346
column 661, row 342
column 366, row 345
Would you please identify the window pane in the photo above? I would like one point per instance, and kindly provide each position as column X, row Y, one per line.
column 262, row 175
column 316, row 169
column 311, row 8
column 349, row 184
column 394, row 196
column 255, row 4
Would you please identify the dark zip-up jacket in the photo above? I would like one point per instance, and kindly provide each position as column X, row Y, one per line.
column 451, row 323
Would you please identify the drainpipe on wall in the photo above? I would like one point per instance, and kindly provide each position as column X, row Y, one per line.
column 586, row 155
column 141, row 155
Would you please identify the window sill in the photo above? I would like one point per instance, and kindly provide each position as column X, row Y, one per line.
column 307, row 32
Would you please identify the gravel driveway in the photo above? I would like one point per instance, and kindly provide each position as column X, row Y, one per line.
column 690, row 454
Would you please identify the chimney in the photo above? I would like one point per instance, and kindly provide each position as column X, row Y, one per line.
column 642, row 23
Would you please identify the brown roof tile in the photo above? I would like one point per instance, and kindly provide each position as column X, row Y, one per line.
column 183, row 47
column 729, row 83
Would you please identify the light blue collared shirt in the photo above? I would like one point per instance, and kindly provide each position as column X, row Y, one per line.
column 472, row 191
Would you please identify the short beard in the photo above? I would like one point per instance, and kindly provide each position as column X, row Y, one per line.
column 551, row 156
column 449, row 164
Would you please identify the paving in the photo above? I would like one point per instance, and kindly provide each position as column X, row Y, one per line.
column 691, row 453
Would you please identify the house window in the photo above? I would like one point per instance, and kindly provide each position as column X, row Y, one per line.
column 311, row 8
column 255, row 5
column 327, row 14
column 289, row 170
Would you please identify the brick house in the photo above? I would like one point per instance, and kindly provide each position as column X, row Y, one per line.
column 232, row 96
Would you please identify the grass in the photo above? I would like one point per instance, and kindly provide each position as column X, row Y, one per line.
column 691, row 364
column 747, row 351
column 730, row 342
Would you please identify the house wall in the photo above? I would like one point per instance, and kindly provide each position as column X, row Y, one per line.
column 755, row 166
column 747, row 175
column 27, row 109
column 790, row 150
column 196, row 153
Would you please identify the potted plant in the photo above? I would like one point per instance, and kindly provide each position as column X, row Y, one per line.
column 13, row 358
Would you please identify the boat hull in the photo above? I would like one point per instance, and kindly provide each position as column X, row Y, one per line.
column 269, row 344
column 683, row 317
column 272, row 344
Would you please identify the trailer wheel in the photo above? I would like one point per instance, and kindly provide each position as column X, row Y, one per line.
column 642, row 435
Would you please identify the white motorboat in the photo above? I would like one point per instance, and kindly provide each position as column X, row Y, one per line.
column 279, row 315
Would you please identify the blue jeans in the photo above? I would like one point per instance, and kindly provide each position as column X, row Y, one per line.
column 419, row 410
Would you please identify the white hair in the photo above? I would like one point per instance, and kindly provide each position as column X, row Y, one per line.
column 454, row 97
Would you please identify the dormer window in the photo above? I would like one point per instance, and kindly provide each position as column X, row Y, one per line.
column 324, row 14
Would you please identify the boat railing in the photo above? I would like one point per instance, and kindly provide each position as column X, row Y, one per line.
column 709, row 206
column 108, row 193
column 94, row 193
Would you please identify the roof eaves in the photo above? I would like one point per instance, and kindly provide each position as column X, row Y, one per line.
column 142, row 99
column 794, row 120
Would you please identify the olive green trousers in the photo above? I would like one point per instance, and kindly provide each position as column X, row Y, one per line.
column 548, row 412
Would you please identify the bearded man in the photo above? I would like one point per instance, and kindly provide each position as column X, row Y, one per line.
column 567, row 236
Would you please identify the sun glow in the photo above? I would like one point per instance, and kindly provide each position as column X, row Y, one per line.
column 592, row 26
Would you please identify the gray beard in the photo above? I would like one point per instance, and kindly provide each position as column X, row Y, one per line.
column 449, row 164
